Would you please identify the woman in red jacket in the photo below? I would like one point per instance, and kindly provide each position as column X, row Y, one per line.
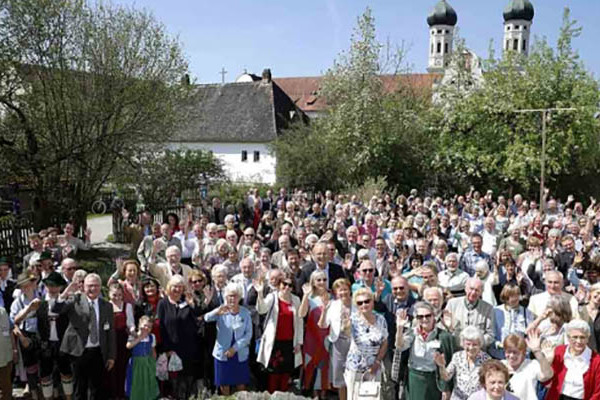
column 576, row 366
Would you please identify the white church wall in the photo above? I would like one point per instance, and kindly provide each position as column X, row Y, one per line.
column 262, row 171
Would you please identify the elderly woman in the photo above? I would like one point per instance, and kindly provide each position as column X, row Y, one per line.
column 590, row 314
column 552, row 324
column 234, row 332
column 369, row 341
column 336, row 317
column 453, row 279
column 316, row 356
column 493, row 376
column 280, row 346
column 423, row 342
column 177, row 315
column 525, row 373
column 465, row 364
column 576, row 367
column 510, row 318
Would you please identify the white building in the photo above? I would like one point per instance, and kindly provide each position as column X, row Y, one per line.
column 237, row 121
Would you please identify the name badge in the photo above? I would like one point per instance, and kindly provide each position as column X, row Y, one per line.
column 434, row 345
column 106, row 326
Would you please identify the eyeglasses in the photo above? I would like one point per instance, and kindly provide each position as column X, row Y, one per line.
column 398, row 288
column 288, row 284
column 360, row 303
column 249, row 235
column 321, row 280
column 425, row 316
column 197, row 281
column 367, row 270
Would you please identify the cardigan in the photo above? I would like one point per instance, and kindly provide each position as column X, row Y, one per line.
column 591, row 378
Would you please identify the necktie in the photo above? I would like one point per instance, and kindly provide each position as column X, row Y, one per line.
column 220, row 298
column 93, row 324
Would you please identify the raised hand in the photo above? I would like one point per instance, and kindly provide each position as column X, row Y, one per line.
column 402, row 318
column 209, row 292
column 35, row 304
column 447, row 319
column 307, row 289
column 258, row 285
column 533, row 340
column 223, row 310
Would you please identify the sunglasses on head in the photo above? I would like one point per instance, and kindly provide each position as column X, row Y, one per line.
column 361, row 302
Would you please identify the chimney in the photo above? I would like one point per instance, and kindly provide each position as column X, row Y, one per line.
column 266, row 75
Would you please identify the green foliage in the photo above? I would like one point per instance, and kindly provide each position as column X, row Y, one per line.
column 367, row 132
column 81, row 87
column 371, row 187
column 483, row 140
column 184, row 170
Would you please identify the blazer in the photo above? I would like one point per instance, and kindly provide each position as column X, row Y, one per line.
column 591, row 378
column 162, row 272
column 77, row 309
column 270, row 306
column 335, row 272
column 231, row 327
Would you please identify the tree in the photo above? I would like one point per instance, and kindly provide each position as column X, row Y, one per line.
column 184, row 170
column 369, row 130
column 82, row 86
column 483, row 140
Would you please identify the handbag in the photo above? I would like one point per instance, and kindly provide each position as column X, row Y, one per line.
column 369, row 390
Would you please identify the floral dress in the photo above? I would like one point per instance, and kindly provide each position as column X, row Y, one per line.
column 366, row 342
column 466, row 378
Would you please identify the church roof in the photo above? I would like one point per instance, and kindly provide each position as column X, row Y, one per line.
column 519, row 9
column 238, row 112
column 304, row 91
column 442, row 14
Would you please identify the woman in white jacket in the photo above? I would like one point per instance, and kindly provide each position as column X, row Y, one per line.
column 281, row 343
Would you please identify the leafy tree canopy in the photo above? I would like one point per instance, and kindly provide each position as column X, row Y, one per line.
column 82, row 86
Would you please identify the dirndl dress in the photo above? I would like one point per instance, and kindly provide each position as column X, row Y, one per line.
column 141, row 383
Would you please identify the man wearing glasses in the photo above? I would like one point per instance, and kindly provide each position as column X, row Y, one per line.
column 320, row 261
column 379, row 286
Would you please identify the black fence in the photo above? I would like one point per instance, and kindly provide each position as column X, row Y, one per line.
column 14, row 243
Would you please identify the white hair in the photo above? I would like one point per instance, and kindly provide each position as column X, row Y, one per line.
column 219, row 269
column 472, row 333
column 173, row 249
column 233, row 288
column 578, row 325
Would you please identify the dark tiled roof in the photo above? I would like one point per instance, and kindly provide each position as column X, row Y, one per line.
column 304, row 91
column 238, row 112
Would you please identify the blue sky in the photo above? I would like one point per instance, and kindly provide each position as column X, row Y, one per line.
column 304, row 38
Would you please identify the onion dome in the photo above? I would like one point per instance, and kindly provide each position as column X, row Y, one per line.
column 519, row 9
column 442, row 14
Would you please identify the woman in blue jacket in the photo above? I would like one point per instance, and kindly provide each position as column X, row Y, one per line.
column 234, row 331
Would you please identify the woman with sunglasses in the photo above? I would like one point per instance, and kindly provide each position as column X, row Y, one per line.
column 336, row 317
column 280, row 346
column 423, row 342
column 316, row 356
column 368, row 341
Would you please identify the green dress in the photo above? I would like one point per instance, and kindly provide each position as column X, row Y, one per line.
column 141, row 383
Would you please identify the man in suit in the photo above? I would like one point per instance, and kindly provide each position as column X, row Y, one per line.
column 163, row 272
column 90, row 337
column 7, row 286
column 333, row 271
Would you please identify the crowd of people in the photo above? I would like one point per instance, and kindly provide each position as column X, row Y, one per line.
column 474, row 297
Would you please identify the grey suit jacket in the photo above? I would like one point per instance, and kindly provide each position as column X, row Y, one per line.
column 76, row 336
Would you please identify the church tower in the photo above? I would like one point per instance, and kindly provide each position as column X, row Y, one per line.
column 518, row 17
column 441, row 20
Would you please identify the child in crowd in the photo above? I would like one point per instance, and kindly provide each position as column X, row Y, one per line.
column 141, row 372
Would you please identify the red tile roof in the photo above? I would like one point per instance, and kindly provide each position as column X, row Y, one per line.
column 304, row 90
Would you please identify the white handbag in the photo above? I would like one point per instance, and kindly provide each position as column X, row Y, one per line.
column 368, row 390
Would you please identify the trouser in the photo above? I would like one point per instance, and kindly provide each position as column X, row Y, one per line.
column 87, row 374
column 5, row 382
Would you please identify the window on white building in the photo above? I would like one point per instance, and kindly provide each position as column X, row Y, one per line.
column 256, row 156
column 244, row 155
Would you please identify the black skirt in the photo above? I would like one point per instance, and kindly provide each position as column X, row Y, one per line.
column 282, row 357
